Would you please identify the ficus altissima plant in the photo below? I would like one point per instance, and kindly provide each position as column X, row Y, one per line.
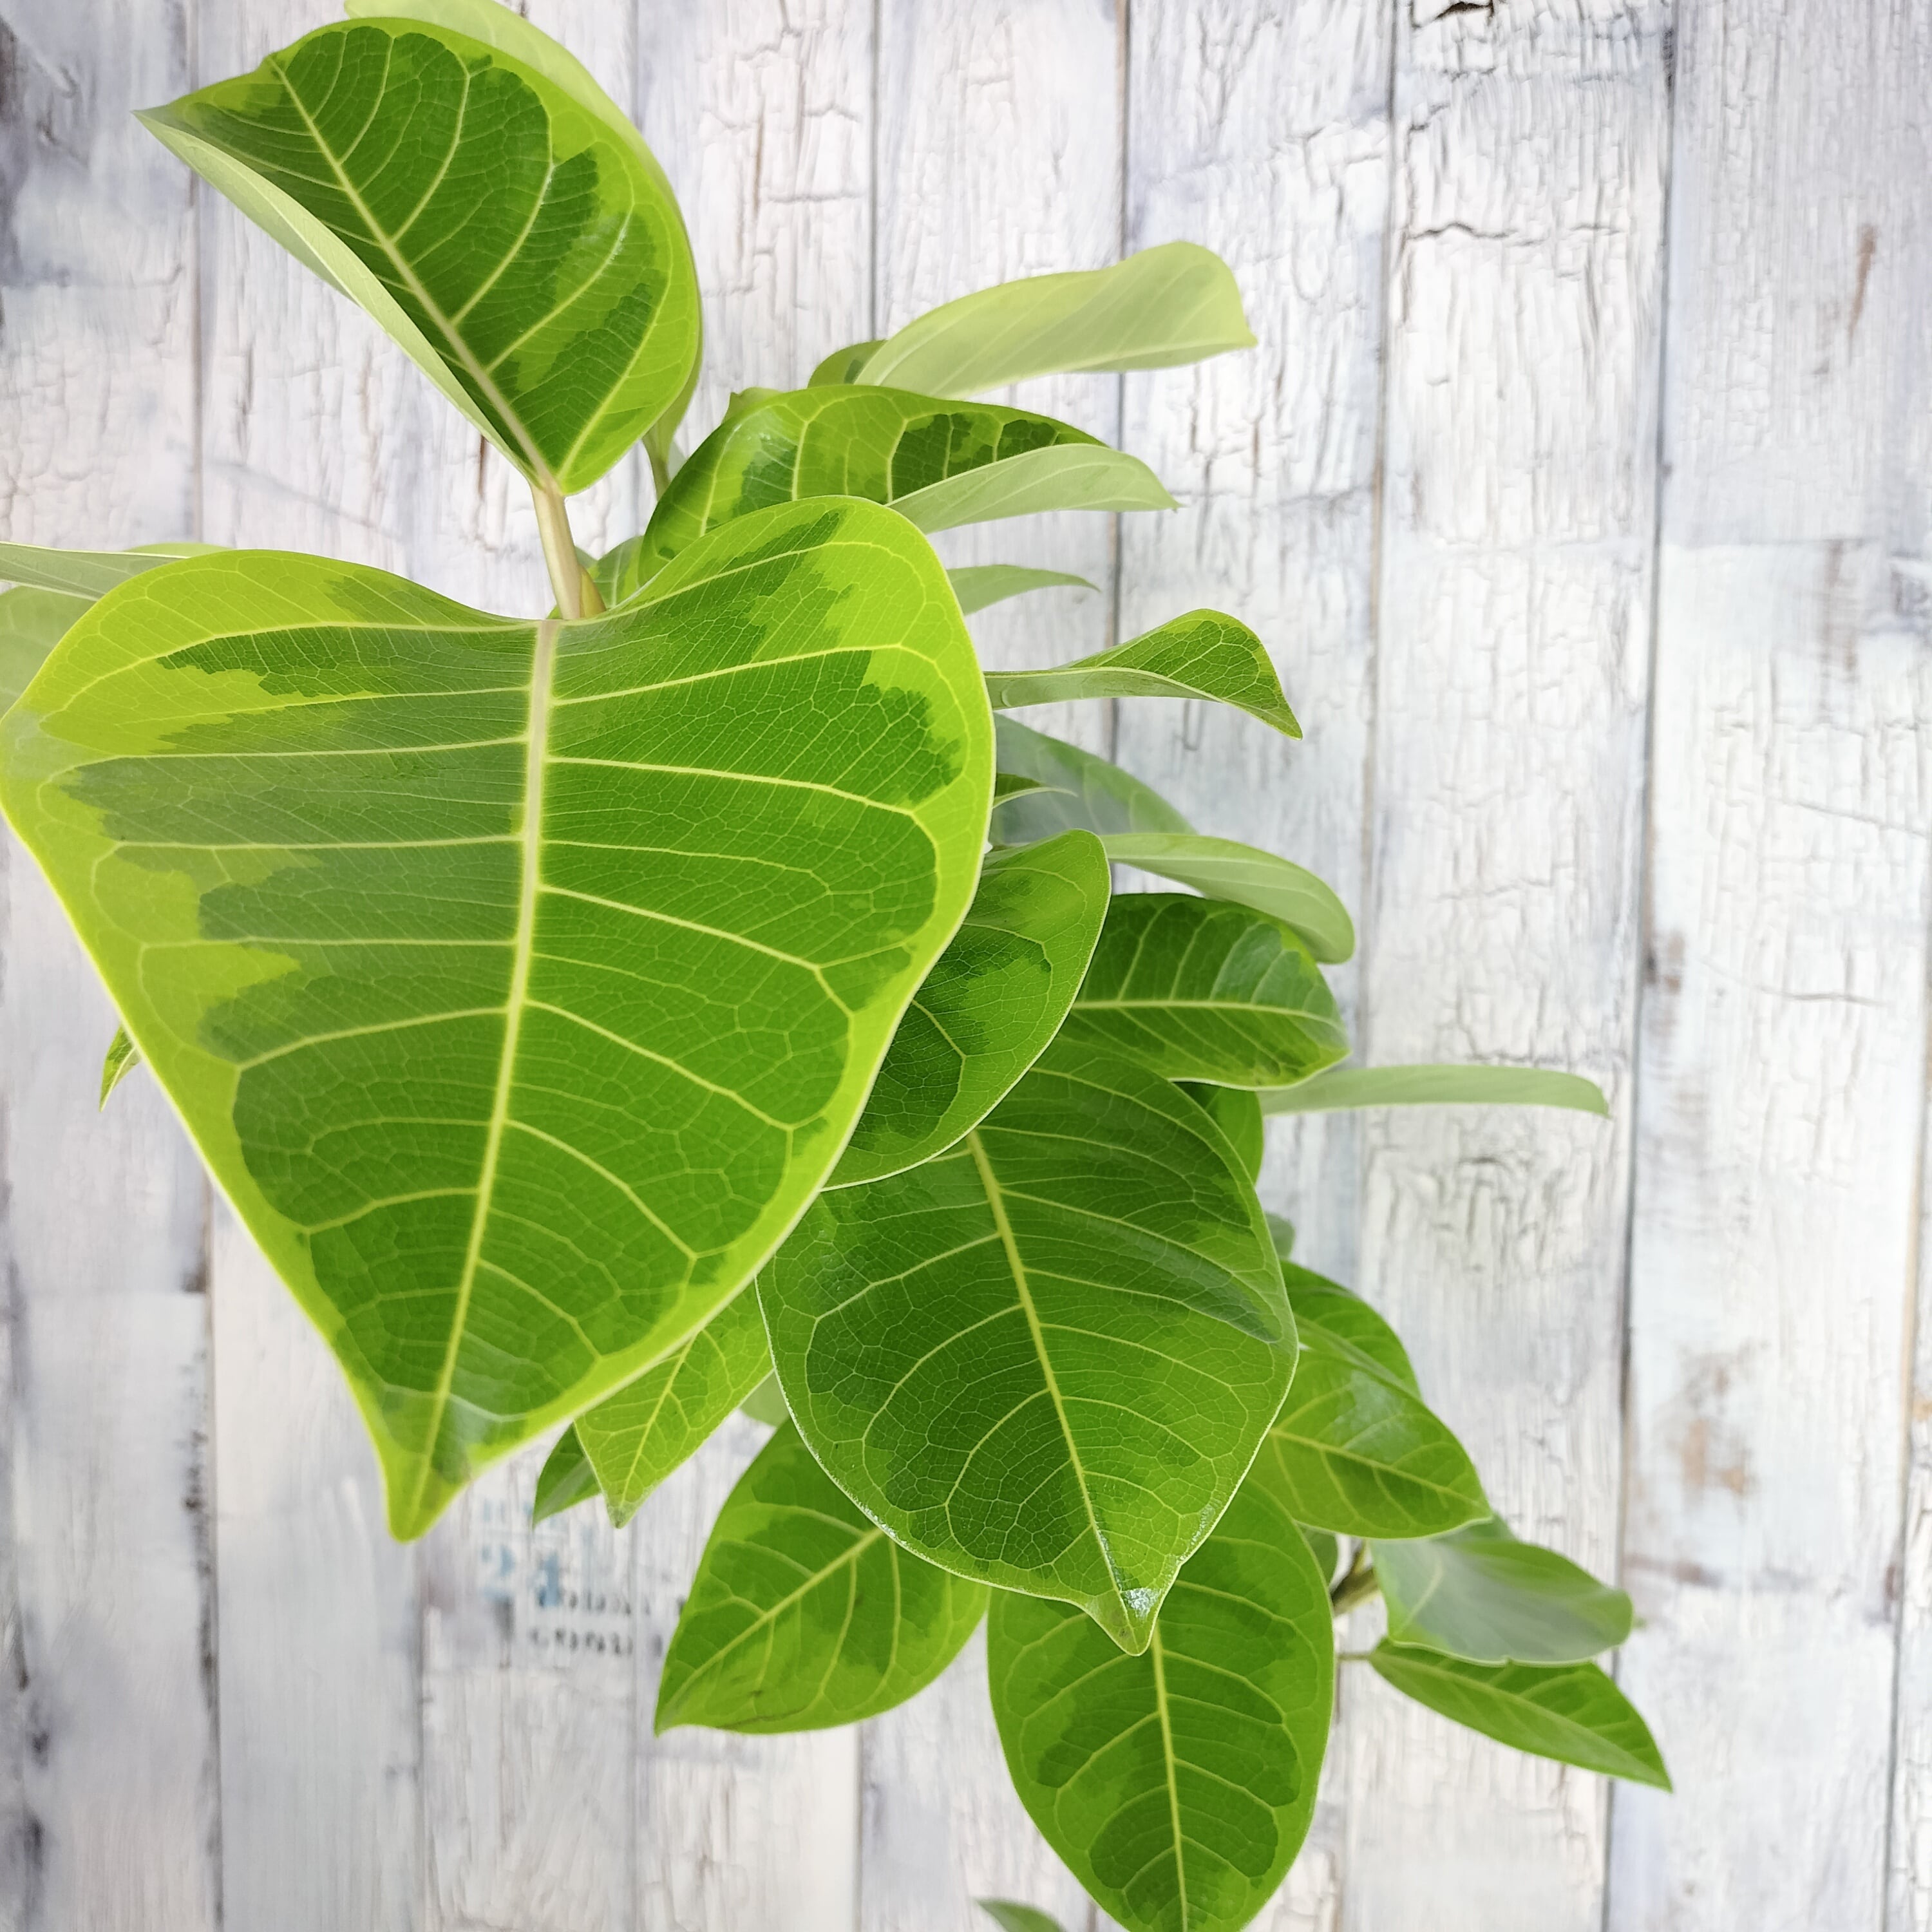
column 710, row 993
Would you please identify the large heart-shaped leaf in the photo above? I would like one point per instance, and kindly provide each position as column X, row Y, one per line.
column 1353, row 1449
column 988, row 1010
column 1175, row 303
column 520, row 982
column 1202, row 655
column 493, row 211
column 1198, row 989
column 802, row 1613
column 1478, row 1593
column 977, row 585
column 1345, row 1087
column 1044, row 1359
column 634, row 1439
column 1572, row 1712
column 1179, row 1784
column 1224, row 869
column 939, row 463
column 1071, row 789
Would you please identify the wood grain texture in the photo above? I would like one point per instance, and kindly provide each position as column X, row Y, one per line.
column 1782, row 1081
column 1517, row 528
column 1909, row 1878
column 999, row 155
column 114, row 1820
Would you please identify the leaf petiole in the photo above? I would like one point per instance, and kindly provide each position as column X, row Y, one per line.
column 577, row 596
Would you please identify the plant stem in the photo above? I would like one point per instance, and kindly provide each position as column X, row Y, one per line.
column 576, row 594
column 1357, row 1586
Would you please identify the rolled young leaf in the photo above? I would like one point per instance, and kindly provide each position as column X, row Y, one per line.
column 1479, row 1594
column 1235, row 1113
column 500, row 218
column 1224, row 869
column 989, row 1008
column 939, row 463
column 123, row 1057
column 1353, row 1449
column 1202, row 655
column 1179, row 1784
column 1438, row 1086
column 459, row 1016
column 1572, row 1712
column 977, row 585
column 1046, row 1358
column 1173, row 304
column 566, row 1480
column 1073, row 789
column 1198, row 989
column 803, row 1614
column 635, row 1438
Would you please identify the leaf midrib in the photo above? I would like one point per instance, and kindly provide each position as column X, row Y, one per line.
column 543, row 663
column 1156, row 1651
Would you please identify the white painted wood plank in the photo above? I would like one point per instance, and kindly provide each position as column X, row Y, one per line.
column 999, row 155
column 1781, row 1087
column 1264, row 135
column 1515, row 591
column 104, row 1219
column 1909, row 1879
column 761, row 114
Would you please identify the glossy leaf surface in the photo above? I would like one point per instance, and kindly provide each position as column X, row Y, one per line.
column 498, row 217
column 1046, row 1358
column 635, row 1438
column 1073, row 789
column 1235, row 1113
column 987, row 1010
column 1479, row 1594
column 566, row 1480
column 977, row 585
column 1354, row 1449
column 121, row 1058
column 462, row 1021
column 803, row 1613
column 1173, row 304
column 938, row 463
column 1574, row 1712
column 1224, row 869
column 1179, row 1784
column 1439, row 1086
column 1202, row 655
column 1198, row 989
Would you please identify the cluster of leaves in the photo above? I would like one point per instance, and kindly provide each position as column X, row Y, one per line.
column 708, row 994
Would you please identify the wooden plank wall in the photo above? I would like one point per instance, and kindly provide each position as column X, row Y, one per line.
column 1581, row 483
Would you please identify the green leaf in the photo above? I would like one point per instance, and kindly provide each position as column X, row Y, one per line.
column 843, row 365
column 636, row 1438
column 485, row 201
column 1353, row 1449
column 1574, row 1712
column 1224, row 869
column 31, row 622
column 1178, row 1785
column 977, row 585
column 1479, row 1594
column 1202, row 655
column 766, row 1403
column 988, row 1010
column 123, row 1057
column 1436, row 1086
column 803, row 1614
column 938, row 463
column 1283, row 1229
column 1046, row 1358
column 459, row 1019
column 566, row 1480
column 1236, row 1114
column 1345, row 1313
column 1198, row 989
column 1323, row 1546
column 1076, row 790
column 1176, row 303
column 1012, row 1918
